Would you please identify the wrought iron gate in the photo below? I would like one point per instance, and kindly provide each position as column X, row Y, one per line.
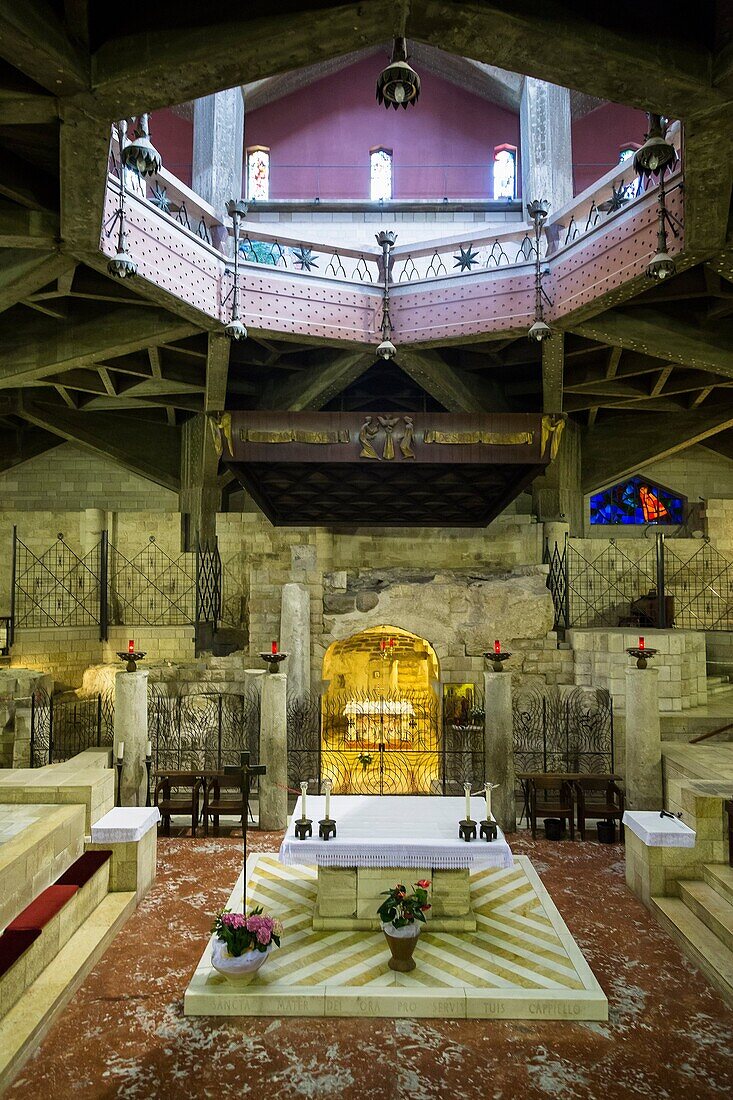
column 202, row 731
column 58, row 587
column 61, row 728
column 569, row 731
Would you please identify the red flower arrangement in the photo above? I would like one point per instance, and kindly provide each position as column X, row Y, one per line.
column 401, row 908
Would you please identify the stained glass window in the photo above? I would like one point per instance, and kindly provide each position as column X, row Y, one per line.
column 626, row 153
column 637, row 501
column 380, row 179
column 505, row 172
column 258, row 174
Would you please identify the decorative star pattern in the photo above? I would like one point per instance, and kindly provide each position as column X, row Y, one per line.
column 466, row 258
column 304, row 259
column 619, row 197
column 159, row 198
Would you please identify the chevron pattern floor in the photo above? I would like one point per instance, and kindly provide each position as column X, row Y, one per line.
column 521, row 963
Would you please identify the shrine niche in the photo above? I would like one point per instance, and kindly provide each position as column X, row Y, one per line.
column 384, row 468
column 380, row 715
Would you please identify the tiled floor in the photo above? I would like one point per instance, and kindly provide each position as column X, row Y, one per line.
column 124, row 1034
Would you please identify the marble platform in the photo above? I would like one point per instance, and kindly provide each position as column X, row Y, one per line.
column 520, row 963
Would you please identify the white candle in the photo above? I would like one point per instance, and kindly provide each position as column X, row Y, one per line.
column 328, row 801
column 149, row 749
column 120, row 750
column 489, row 816
column 467, row 789
column 303, row 792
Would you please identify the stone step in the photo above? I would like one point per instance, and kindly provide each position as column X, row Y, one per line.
column 716, row 680
column 720, row 689
column 720, row 877
column 713, row 910
column 698, row 942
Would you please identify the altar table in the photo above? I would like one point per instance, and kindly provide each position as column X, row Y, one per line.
column 384, row 840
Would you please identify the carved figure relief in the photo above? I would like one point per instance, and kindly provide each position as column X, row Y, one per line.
column 388, row 423
column 407, row 438
column 369, row 431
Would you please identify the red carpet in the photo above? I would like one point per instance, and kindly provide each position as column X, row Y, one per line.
column 124, row 1035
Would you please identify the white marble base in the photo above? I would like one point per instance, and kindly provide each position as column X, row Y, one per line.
column 125, row 824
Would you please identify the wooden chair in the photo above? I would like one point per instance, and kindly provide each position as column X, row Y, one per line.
column 178, row 794
column 599, row 797
column 550, row 796
column 216, row 804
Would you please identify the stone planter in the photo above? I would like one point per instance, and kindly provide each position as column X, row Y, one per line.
column 237, row 967
column 402, row 943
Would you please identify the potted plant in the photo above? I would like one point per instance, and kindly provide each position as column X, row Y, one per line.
column 243, row 942
column 402, row 916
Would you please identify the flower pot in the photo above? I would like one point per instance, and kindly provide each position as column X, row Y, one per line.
column 606, row 832
column 402, row 943
column 237, row 967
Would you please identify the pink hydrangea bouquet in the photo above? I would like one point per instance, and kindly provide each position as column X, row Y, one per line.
column 252, row 932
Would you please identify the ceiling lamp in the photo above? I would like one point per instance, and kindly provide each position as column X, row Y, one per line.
column 386, row 349
column 386, row 239
column 121, row 265
column 140, row 154
column 656, row 156
column 662, row 266
column 236, row 329
column 398, row 84
column 538, row 210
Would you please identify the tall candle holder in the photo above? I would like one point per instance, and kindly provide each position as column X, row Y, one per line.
column 148, row 769
column 272, row 660
column 642, row 653
column 327, row 825
column 303, row 824
column 488, row 829
column 497, row 656
column 467, row 827
column 119, row 764
column 131, row 656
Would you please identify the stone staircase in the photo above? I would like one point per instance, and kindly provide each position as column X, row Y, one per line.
column 719, row 685
column 701, row 920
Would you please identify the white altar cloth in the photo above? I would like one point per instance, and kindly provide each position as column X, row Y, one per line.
column 394, row 831
column 659, row 832
column 125, row 824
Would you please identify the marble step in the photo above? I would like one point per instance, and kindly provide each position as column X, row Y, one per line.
column 698, row 942
column 720, row 877
column 23, row 1027
column 713, row 911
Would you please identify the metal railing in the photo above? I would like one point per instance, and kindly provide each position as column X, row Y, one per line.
column 63, row 727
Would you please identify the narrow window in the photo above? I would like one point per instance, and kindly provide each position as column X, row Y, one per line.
column 380, row 174
column 258, row 173
column 505, row 172
column 626, row 152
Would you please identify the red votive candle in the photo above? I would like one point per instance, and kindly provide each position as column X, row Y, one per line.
column 274, row 647
column 131, row 646
column 497, row 646
column 382, row 644
column 641, row 643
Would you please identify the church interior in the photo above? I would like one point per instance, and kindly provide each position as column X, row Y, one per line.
column 366, row 550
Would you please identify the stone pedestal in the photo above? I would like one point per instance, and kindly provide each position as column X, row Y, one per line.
column 643, row 740
column 499, row 747
column 555, row 533
column 274, row 752
column 295, row 636
column 131, row 726
column 348, row 897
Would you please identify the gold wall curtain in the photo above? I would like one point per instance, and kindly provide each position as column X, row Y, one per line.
column 551, row 431
column 292, row 435
column 496, row 439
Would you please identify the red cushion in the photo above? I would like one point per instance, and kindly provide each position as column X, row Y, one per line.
column 13, row 944
column 45, row 906
column 82, row 870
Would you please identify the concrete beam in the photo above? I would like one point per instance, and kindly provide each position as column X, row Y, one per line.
column 314, row 387
column 28, row 229
column 83, row 178
column 455, row 392
column 621, row 445
column 217, row 372
column 23, row 443
column 553, row 365
column 23, row 272
column 154, row 454
column 200, row 491
column 708, row 166
column 663, row 336
column 44, row 347
column 35, row 41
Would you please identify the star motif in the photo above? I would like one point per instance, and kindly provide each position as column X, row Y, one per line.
column 159, row 198
column 618, row 199
column 304, row 258
column 466, row 258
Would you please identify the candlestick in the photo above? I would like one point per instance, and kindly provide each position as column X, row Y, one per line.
column 467, row 789
column 274, row 647
column 497, row 646
column 641, row 643
column 303, row 792
column 328, row 801
column 131, row 645
column 149, row 750
column 489, row 814
column 120, row 750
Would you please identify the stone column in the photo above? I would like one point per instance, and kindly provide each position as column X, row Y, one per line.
column 274, row 752
column 131, row 726
column 218, row 150
column 555, row 534
column 557, row 494
column 295, row 636
column 200, row 495
column 547, row 160
column 499, row 747
column 643, row 740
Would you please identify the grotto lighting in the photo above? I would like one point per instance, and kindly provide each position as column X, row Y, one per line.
column 539, row 330
column 140, row 154
column 657, row 155
column 398, row 85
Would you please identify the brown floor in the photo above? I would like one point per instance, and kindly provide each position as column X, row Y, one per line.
column 124, row 1034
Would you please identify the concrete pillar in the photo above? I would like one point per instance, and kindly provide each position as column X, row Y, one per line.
column 547, row 159
column 274, row 752
column 200, row 494
column 131, row 726
column 253, row 679
column 295, row 636
column 218, row 150
column 643, row 740
column 555, row 534
column 93, row 523
column 558, row 495
column 499, row 747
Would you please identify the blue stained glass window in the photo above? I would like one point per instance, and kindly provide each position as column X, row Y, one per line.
column 637, row 501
